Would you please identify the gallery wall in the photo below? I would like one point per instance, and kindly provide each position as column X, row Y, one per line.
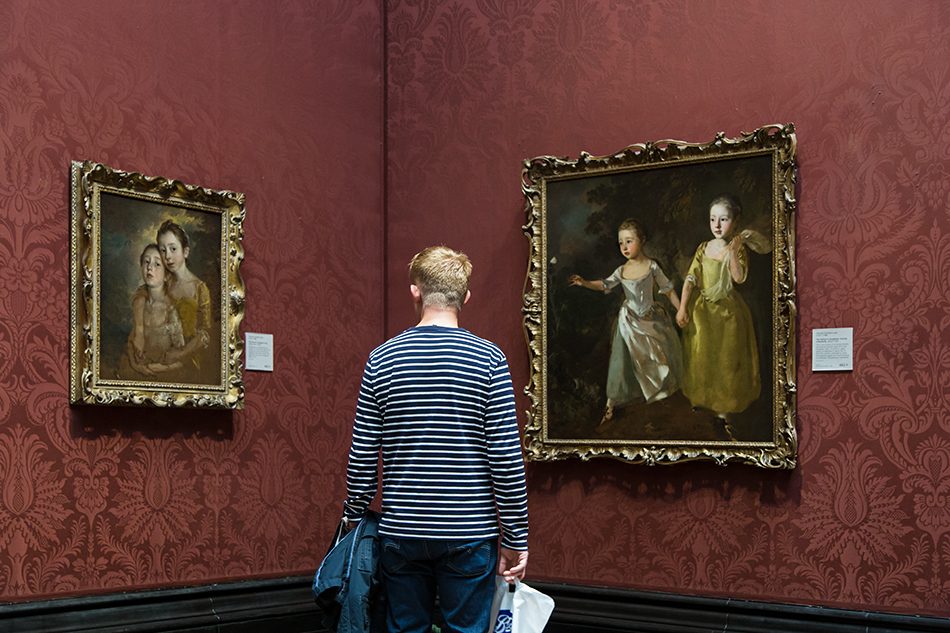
column 281, row 101
column 475, row 86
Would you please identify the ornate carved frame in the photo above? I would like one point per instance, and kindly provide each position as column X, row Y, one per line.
column 539, row 175
column 89, row 182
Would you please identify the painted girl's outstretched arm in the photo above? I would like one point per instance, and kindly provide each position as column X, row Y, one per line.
column 694, row 273
column 597, row 284
column 664, row 285
column 682, row 314
column 674, row 299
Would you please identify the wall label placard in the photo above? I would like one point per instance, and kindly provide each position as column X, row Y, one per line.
column 260, row 351
column 832, row 349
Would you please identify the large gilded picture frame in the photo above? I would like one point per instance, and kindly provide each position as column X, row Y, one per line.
column 156, row 295
column 618, row 369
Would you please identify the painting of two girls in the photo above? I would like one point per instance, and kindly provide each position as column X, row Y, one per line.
column 661, row 324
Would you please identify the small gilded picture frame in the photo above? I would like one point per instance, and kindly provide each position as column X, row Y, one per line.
column 156, row 296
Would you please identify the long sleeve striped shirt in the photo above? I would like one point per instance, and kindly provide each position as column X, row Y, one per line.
column 439, row 403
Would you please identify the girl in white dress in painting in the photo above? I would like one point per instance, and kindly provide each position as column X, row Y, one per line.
column 645, row 353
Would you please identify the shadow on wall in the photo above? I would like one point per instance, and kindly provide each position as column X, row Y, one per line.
column 665, row 483
column 88, row 422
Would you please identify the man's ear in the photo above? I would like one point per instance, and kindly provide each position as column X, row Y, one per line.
column 415, row 292
column 468, row 295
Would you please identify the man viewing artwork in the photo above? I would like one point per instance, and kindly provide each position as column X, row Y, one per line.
column 438, row 402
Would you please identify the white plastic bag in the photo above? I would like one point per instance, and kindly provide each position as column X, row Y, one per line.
column 524, row 610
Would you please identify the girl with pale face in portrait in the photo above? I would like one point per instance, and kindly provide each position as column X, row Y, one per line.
column 645, row 354
column 722, row 361
column 156, row 335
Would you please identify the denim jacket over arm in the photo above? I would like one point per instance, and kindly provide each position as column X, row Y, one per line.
column 344, row 583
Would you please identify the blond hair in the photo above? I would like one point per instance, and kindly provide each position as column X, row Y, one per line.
column 441, row 274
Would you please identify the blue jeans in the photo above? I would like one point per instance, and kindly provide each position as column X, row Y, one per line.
column 461, row 572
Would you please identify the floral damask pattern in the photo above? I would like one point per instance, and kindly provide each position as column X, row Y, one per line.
column 32, row 498
column 852, row 511
column 273, row 493
column 157, row 498
column 863, row 521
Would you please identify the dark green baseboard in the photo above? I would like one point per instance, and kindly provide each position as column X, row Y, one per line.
column 284, row 605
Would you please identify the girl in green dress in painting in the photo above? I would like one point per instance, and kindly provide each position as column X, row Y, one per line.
column 722, row 362
column 192, row 300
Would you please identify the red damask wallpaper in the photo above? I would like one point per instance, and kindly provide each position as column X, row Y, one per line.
column 281, row 100
column 475, row 86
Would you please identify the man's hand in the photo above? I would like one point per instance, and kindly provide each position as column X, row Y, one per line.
column 512, row 564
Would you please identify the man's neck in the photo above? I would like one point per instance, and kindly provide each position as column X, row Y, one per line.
column 444, row 317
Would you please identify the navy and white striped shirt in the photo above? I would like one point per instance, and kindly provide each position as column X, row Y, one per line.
column 439, row 403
